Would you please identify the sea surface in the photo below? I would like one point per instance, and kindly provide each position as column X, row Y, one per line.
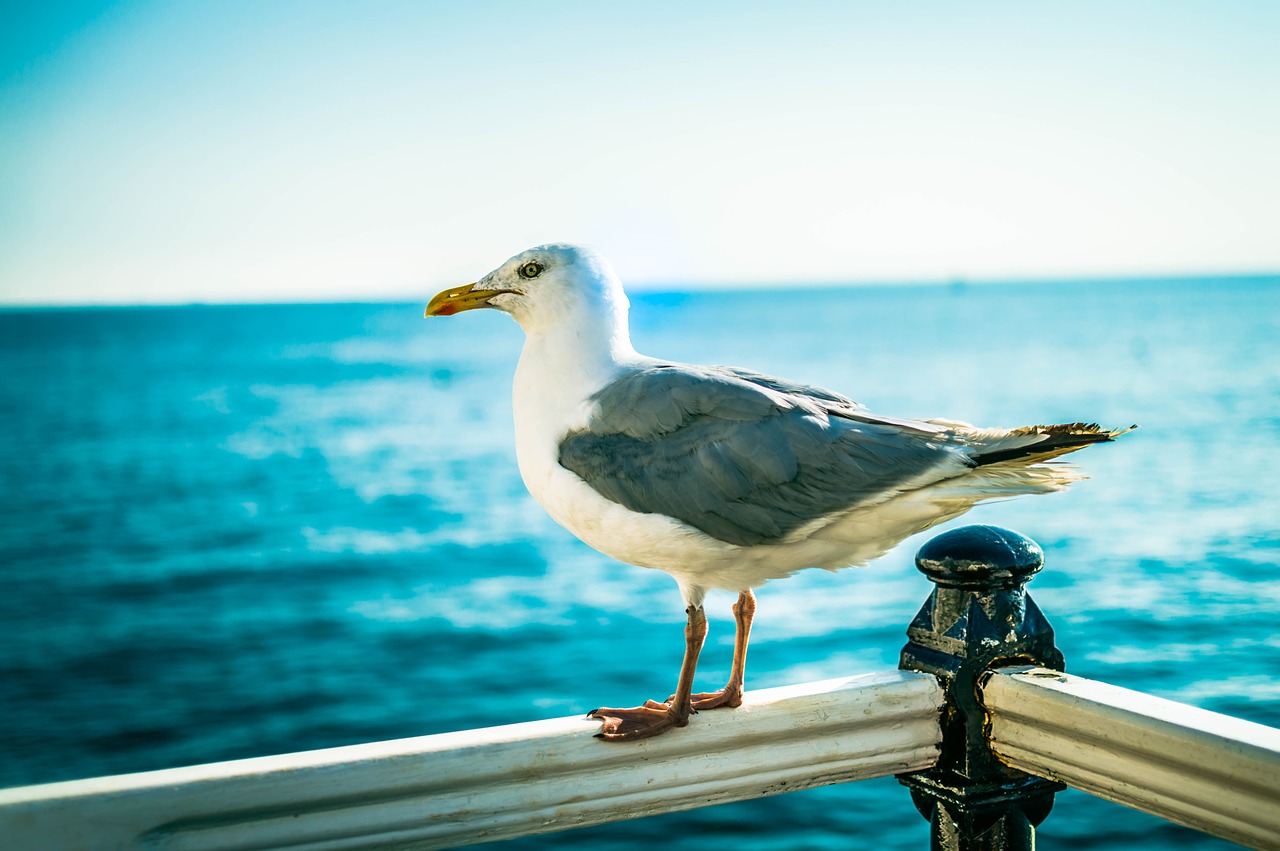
column 237, row 531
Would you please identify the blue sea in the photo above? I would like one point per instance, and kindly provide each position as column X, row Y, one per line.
column 237, row 531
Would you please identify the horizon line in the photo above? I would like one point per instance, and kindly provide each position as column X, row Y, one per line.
column 671, row 288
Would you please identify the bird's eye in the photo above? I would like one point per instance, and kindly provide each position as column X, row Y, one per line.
column 531, row 270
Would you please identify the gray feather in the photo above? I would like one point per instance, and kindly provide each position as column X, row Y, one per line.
column 743, row 457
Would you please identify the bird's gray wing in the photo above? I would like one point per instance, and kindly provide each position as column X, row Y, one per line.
column 744, row 460
column 818, row 394
column 834, row 403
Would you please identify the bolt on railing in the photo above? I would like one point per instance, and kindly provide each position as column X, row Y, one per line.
column 978, row 617
column 1015, row 727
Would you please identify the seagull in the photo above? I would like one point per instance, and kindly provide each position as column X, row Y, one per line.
column 722, row 477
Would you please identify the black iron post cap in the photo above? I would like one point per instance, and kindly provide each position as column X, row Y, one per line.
column 980, row 557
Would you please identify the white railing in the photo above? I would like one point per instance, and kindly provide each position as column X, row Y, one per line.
column 496, row 783
column 1201, row 769
column 960, row 728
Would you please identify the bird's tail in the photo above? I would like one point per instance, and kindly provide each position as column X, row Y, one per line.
column 1033, row 444
column 1007, row 463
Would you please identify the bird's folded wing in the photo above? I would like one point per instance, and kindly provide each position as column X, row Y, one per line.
column 744, row 458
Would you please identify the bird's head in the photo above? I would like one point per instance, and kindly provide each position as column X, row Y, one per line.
column 541, row 287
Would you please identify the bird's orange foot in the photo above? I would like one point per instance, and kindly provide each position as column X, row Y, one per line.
column 639, row 722
column 728, row 697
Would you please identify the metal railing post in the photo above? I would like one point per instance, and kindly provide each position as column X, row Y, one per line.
column 977, row 617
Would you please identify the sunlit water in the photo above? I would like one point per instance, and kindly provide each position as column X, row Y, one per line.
column 230, row 532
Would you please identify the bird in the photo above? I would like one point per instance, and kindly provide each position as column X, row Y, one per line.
column 723, row 477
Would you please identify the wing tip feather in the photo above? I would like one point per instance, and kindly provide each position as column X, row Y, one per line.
column 1056, row 439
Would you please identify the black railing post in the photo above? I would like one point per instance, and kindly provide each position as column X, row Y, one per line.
column 978, row 616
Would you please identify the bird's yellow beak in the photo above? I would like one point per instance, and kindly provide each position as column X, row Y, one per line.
column 457, row 299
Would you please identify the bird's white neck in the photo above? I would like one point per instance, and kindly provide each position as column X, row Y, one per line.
column 565, row 360
column 562, row 364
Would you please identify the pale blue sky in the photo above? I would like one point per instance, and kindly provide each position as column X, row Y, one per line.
column 237, row 151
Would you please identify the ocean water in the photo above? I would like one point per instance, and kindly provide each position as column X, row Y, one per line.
column 237, row 531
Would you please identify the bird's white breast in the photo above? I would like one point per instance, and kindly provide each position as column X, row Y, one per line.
column 552, row 398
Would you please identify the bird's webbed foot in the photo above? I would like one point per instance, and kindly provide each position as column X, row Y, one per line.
column 639, row 722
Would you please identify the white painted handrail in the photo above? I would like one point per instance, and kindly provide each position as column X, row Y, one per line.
column 496, row 783
column 1201, row 769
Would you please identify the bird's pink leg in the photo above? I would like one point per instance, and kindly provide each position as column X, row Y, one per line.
column 641, row 722
column 731, row 695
